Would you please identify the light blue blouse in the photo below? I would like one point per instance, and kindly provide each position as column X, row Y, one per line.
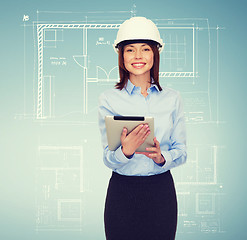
column 167, row 109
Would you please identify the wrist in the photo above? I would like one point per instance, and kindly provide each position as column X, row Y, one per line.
column 162, row 163
column 127, row 154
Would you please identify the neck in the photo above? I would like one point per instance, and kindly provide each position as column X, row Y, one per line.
column 142, row 81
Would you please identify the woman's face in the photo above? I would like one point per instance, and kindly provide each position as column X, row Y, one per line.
column 138, row 58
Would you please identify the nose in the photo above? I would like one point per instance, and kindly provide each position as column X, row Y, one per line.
column 138, row 54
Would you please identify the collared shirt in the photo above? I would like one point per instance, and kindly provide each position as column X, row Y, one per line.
column 166, row 108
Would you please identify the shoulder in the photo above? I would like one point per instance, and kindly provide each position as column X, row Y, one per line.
column 170, row 92
column 110, row 94
column 171, row 96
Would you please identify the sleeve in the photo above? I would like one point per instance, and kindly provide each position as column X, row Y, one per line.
column 112, row 159
column 176, row 154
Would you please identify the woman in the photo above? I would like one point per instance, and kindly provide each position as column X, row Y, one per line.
column 141, row 199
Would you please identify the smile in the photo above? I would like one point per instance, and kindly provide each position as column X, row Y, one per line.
column 138, row 65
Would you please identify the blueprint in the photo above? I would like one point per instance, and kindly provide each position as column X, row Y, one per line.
column 73, row 61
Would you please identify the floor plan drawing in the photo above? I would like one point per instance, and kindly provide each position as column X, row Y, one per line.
column 59, row 188
column 73, row 62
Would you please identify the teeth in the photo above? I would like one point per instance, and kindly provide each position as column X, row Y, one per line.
column 138, row 64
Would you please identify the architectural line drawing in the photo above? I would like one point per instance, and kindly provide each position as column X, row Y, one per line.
column 73, row 63
column 201, row 174
column 40, row 37
column 59, row 175
column 41, row 28
column 56, row 149
column 77, row 215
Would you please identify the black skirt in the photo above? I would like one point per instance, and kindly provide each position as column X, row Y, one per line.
column 141, row 208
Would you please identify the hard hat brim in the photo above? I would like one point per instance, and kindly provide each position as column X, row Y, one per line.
column 126, row 42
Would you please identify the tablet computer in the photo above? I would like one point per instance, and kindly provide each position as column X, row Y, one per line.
column 115, row 125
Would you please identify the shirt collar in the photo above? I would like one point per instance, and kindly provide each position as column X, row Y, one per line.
column 130, row 87
column 154, row 87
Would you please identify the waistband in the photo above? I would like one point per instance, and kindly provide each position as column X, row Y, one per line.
column 153, row 179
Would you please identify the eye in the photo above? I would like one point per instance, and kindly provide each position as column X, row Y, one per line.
column 146, row 49
column 129, row 50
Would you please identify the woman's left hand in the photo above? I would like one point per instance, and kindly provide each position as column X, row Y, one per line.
column 154, row 153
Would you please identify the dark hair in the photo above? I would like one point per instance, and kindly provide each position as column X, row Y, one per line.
column 124, row 74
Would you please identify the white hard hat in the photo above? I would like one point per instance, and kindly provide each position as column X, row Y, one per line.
column 138, row 28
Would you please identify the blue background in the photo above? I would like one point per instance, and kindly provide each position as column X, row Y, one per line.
column 18, row 139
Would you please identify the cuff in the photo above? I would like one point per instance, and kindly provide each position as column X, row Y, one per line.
column 120, row 156
column 168, row 159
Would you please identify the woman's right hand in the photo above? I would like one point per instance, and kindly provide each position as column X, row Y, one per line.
column 130, row 142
